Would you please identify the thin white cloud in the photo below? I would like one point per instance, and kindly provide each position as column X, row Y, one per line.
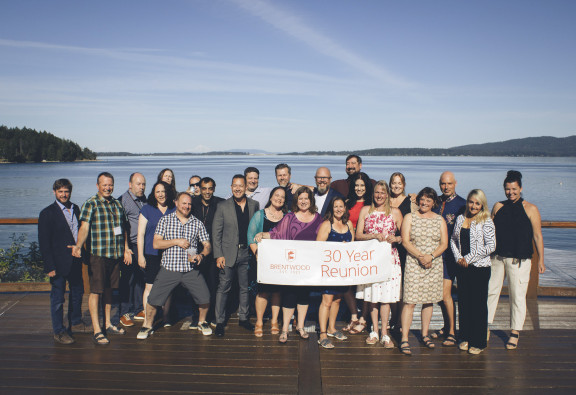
column 289, row 23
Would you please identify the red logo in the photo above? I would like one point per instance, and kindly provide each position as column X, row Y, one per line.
column 290, row 255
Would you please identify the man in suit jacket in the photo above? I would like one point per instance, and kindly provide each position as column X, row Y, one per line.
column 229, row 233
column 58, row 229
column 323, row 193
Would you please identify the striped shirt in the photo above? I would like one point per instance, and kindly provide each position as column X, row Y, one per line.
column 104, row 216
column 169, row 227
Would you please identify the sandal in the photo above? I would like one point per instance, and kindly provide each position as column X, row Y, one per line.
column 386, row 341
column 351, row 325
column 450, row 341
column 337, row 335
column 274, row 328
column 510, row 345
column 372, row 338
column 115, row 330
column 427, row 342
column 325, row 343
column 258, row 332
column 405, row 348
column 463, row 346
column 100, row 339
column 303, row 334
column 438, row 334
column 355, row 331
column 283, row 337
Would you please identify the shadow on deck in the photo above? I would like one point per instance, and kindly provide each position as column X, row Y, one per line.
column 183, row 361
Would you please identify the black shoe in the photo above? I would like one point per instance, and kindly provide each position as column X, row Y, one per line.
column 64, row 338
column 219, row 330
column 246, row 325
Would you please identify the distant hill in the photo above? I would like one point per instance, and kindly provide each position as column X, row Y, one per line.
column 29, row 145
column 530, row 146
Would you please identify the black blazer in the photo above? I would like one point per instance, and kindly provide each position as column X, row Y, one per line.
column 54, row 237
column 332, row 193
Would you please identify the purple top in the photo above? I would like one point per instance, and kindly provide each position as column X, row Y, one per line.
column 290, row 228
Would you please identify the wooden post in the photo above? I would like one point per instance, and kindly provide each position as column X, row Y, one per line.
column 534, row 276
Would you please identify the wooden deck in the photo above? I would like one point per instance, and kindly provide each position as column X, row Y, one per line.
column 176, row 360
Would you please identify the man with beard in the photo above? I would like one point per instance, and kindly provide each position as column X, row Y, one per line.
column 353, row 166
column 323, row 193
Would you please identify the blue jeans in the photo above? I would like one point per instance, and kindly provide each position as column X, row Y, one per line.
column 57, row 292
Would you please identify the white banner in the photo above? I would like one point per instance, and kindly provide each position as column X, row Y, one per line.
column 295, row 262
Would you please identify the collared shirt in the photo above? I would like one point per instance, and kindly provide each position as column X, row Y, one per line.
column 104, row 216
column 260, row 194
column 132, row 206
column 169, row 227
column 449, row 208
column 70, row 218
column 243, row 221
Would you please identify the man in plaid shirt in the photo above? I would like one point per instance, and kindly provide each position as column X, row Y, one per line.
column 177, row 234
column 103, row 224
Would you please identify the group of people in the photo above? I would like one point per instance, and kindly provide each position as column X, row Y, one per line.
column 146, row 247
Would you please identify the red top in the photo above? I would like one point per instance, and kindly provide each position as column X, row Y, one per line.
column 355, row 213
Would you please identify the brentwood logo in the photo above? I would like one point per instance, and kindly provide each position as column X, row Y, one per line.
column 290, row 255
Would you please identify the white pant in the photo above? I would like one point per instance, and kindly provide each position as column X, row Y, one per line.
column 518, row 273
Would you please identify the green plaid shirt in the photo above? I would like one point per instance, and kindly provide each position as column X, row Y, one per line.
column 103, row 216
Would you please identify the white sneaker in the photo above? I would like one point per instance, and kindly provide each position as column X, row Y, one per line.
column 204, row 328
column 144, row 333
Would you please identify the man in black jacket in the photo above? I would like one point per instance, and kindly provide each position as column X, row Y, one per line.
column 57, row 231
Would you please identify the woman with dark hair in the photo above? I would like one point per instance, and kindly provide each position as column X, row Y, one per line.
column 380, row 221
column 517, row 226
column 300, row 224
column 472, row 242
column 264, row 221
column 425, row 237
column 336, row 227
column 358, row 196
column 167, row 176
column 160, row 203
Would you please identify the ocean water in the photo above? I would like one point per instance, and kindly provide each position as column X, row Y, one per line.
column 550, row 183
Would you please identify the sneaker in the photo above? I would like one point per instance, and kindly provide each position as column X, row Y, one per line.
column 126, row 320
column 193, row 325
column 144, row 333
column 64, row 338
column 204, row 328
column 140, row 316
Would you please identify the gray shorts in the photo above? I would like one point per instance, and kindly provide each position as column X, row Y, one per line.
column 167, row 280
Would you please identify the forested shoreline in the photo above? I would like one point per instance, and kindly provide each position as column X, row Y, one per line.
column 28, row 145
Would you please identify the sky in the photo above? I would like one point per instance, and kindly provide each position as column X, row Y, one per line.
column 295, row 75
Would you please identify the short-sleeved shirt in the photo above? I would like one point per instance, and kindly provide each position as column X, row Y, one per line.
column 104, row 216
column 132, row 206
column 169, row 227
column 152, row 215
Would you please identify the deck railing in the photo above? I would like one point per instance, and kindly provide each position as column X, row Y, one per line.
column 533, row 288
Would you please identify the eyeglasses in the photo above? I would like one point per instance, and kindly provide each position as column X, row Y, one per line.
column 322, row 178
column 195, row 185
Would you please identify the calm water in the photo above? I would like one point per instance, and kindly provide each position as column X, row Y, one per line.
column 550, row 183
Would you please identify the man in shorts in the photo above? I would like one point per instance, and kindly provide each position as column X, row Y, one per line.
column 177, row 234
column 103, row 223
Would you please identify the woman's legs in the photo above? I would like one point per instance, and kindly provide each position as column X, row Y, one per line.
column 275, row 307
column 407, row 315
column 427, row 310
column 334, row 313
column 260, row 305
column 384, row 314
column 323, row 313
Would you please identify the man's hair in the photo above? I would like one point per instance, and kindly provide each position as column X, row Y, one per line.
column 104, row 174
column 241, row 176
column 283, row 166
column 359, row 159
column 62, row 183
column 132, row 176
column 252, row 170
column 195, row 176
column 179, row 194
column 206, row 180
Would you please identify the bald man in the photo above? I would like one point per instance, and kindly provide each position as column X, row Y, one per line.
column 323, row 194
column 450, row 207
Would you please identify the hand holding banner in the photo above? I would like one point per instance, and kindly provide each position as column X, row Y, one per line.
column 323, row 263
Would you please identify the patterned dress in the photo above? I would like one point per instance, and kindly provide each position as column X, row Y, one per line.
column 387, row 291
column 424, row 285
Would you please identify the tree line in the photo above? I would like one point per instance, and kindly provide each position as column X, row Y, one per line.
column 28, row 145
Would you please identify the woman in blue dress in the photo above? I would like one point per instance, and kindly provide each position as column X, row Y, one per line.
column 336, row 227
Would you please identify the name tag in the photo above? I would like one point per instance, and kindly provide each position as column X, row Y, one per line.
column 117, row 231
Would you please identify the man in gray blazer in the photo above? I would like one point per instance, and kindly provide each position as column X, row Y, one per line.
column 229, row 233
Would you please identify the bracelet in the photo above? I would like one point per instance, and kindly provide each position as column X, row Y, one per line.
column 432, row 255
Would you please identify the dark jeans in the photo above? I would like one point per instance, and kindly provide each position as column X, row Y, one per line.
column 58, row 282
column 473, row 304
column 131, row 288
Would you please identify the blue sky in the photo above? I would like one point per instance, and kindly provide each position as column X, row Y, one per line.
column 197, row 75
